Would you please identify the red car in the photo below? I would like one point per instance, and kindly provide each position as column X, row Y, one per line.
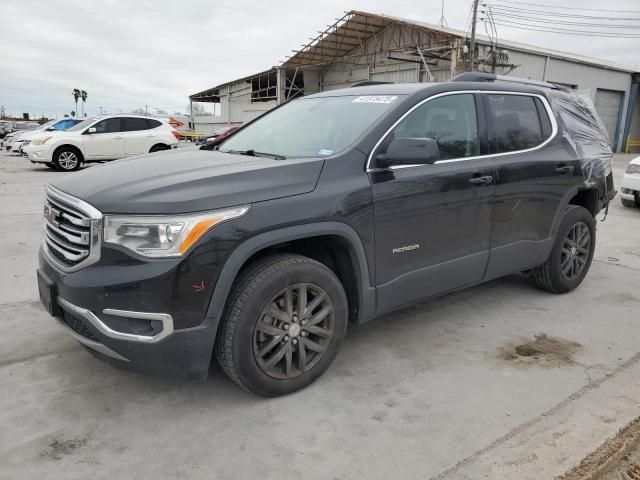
column 221, row 133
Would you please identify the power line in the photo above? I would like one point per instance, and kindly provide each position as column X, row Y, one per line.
column 528, row 11
column 526, row 26
column 568, row 8
column 563, row 22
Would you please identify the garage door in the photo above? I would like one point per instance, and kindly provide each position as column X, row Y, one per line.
column 608, row 103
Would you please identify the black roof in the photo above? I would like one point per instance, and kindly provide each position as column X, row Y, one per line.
column 429, row 88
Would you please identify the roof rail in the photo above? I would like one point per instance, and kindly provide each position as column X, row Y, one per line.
column 366, row 83
column 492, row 77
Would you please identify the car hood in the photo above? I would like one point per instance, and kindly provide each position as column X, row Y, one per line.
column 635, row 161
column 31, row 134
column 181, row 182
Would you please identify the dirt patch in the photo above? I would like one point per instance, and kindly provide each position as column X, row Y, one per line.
column 542, row 350
column 612, row 459
column 59, row 448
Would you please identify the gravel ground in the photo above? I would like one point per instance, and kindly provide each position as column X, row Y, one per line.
column 497, row 381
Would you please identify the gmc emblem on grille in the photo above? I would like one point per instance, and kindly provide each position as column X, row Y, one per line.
column 52, row 215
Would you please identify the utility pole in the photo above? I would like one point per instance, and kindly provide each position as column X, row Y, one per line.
column 443, row 21
column 100, row 110
column 146, row 109
column 473, row 35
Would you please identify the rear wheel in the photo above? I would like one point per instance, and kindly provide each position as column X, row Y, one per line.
column 572, row 252
column 628, row 203
column 66, row 159
column 158, row 148
column 283, row 325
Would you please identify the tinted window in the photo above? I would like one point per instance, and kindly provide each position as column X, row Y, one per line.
column 450, row 120
column 134, row 124
column 547, row 129
column 153, row 123
column 109, row 125
column 516, row 122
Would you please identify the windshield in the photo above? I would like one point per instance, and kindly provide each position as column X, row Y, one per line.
column 82, row 124
column 310, row 127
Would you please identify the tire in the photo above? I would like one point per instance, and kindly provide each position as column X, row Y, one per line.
column 572, row 252
column 628, row 203
column 51, row 166
column 158, row 148
column 64, row 157
column 249, row 339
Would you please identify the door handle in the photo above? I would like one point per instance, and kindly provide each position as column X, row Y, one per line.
column 565, row 169
column 485, row 180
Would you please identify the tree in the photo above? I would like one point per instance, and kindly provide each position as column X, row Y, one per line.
column 83, row 95
column 138, row 111
column 76, row 95
column 197, row 110
column 160, row 111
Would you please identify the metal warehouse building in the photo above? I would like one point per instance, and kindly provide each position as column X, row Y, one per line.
column 363, row 46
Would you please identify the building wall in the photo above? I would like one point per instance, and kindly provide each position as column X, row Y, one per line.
column 235, row 108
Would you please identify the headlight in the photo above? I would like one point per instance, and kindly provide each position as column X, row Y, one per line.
column 164, row 236
column 633, row 168
column 41, row 140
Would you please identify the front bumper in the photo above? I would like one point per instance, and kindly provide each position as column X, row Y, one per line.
column 630, row 186
column 37, row 153
column 147, row 337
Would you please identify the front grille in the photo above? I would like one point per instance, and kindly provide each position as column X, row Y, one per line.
column 78, row 326
column 68, row 231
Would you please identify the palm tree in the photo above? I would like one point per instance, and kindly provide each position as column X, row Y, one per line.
column 83, row 95
column 76, row 95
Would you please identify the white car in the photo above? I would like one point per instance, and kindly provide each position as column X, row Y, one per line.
column 107, row 137
column 630, row 188
column 23, row 138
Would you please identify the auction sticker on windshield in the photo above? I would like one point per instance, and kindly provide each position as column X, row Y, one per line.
column 375, row 99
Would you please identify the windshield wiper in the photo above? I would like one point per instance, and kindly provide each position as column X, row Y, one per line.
column 253, row 153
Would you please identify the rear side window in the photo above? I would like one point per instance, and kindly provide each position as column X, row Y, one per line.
column 153, row 123
column 517, row 122
column 449, row 120
column 132, row 124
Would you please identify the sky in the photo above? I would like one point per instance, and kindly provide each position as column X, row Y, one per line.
column 155, row 53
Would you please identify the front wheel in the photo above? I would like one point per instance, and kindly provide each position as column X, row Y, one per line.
column 572, row 252
column 628, row 203
column 283, row 325
column 66, row 159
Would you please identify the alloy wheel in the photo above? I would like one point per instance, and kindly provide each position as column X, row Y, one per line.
column 293, row 331
column 575, row 251
column 67, row 160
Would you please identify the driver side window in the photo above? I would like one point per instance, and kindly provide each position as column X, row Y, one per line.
column 449, row 120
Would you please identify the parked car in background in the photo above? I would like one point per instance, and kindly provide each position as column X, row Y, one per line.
column 5, row 128
column 101, row 138
column 221, row 133
column 18, row 128
column 24, row 138
column 333, row 208
column 630, row 187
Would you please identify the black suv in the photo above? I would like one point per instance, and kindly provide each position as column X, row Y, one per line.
column 330, row 209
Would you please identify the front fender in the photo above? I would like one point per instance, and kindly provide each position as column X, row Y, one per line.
column 244, row 251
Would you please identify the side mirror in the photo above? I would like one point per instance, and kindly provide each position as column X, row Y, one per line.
column 91, row 130
column 409, row 151
column 49, row 129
